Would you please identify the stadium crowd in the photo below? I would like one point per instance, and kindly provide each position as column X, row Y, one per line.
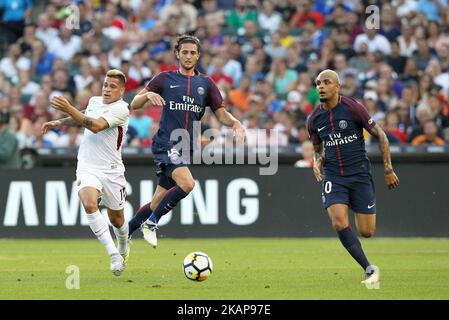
column 263, row 54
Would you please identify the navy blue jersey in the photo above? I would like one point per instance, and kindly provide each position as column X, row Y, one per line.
column 186, row 98
column 341, row 132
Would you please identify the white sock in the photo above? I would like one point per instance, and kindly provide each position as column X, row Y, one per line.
column 122, row 237
column 101, row 229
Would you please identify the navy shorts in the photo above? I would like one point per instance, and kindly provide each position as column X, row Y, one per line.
column 357, row 192
column 167, row 160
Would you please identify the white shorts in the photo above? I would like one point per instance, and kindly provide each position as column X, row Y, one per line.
column 112, row 186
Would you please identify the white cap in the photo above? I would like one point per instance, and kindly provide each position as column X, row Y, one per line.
column 370, row 95
column 294, row 96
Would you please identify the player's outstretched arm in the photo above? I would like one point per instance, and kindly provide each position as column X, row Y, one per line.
column 59, row 122
column 318, row 159
column 230, row 121
column 391, row 178
column 145, row 96
column 94, row 125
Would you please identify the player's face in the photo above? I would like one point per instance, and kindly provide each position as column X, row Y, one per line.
column 112, row 90
column 188, row 55
column 327, row 87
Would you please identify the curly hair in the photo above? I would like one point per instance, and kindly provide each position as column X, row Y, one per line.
column 186, row 38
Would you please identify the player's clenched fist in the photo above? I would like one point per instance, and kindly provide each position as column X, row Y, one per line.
column 155, row 99
column 391, row 179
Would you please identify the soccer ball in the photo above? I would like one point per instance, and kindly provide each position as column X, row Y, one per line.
column 197, row 266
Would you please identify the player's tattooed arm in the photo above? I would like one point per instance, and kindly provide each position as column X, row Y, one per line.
column 57, row 123
column 384, row 146
column 94, row 125
column 318, row 160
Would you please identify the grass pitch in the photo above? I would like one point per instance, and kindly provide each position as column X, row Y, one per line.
column 244, row 268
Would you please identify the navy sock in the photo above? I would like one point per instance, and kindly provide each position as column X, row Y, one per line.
column 169, row 201
column 351, row 242
column 142, row 214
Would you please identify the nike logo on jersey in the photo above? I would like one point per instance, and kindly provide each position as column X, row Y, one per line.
column 319, row 129
column 172, row 86
column 369, row 207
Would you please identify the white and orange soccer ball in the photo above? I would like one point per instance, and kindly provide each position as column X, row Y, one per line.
column 197, row 266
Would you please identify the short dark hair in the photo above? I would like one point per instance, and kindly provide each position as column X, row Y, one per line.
column 187, row 38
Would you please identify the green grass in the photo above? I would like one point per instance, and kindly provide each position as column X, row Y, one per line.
column 244, row 268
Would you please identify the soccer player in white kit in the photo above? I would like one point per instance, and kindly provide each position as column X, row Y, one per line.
column 100, row 171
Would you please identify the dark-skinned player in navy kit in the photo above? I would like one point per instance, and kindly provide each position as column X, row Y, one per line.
column 184, row 95
column 341, row 164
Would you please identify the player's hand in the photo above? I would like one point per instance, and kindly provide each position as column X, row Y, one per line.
column 155, row 99
column 239, row 132
column 60, row 103
column 391, row 179
column 317, row 169
column 49, row 125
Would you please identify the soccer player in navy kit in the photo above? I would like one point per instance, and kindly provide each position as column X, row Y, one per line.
column 336, row 127
column 184, row 95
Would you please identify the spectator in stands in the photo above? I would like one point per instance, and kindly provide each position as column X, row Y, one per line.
column 239, row 97
column 430, row 135
column 185, row 14
column 374, row 40
column 274, row 48
column 42, row 60
column 71, row 138
column 269, row 20
column 66, row 44
column 314, row 35
column 44, row 31
column 305, row 11
column 242, row 13
column 423, row 114
column 392, row 126
column 431, row 8
column 9, row 144
column 307, row 155
column 407, row 41
column 15, row 14
column 141, row 123
column 212, row 12
column 283, row 79
column 13, row 63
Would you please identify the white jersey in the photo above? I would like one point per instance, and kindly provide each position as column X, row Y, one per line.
column 103, row 150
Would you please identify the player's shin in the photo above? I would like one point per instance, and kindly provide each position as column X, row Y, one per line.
column 352, row 244
column 101, row 230
column 142, row 214
column 122, row 238
column 169, row 201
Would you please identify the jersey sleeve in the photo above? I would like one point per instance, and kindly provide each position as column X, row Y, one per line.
column 313, row 133
column 157, row 83
column 116, row 116
column 361, row 115
column 214, row 98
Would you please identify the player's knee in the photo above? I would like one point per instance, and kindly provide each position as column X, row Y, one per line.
column 187, row 186
column 339, row 224
column 367, row 233
column 90, row 206
column 116, row 221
